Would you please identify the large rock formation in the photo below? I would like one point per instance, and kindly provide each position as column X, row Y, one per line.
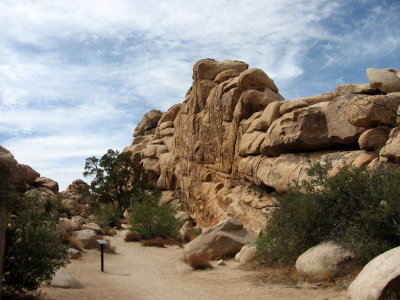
column 235, row 139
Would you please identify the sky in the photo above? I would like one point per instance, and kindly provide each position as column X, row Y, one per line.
column 77, row 76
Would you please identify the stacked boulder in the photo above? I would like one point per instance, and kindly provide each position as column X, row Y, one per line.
column 234, row 139
column 76, row 197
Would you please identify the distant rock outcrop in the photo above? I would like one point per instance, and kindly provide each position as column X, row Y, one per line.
column 234, row 139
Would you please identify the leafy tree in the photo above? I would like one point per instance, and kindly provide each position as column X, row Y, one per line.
column 118, row 178
column 34, row 250
column 358, row 208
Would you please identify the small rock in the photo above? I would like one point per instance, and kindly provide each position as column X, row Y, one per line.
column 221, row 262
column 74, row 254
column 62, row 279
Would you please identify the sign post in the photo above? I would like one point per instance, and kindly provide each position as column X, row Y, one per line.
column 102, row 243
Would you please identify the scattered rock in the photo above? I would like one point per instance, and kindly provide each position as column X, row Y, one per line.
column 221, row 262
column 87, row 238
column 221, row 240
column 373, row 138
column 386, row 80
column 47, row 183
column 247, row 254
column 63, row 279
column 93, row 226
column 380, row 274
column 325, row 261
column 74, row 253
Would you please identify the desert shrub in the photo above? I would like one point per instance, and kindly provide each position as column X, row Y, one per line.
column 132, row 237
column 198, row 261
column 107, row 216
column 34, row 251
column 151, row 220
column 357, row 208
column 156, row 242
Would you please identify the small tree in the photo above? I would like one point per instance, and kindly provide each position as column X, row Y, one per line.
column 117, row 178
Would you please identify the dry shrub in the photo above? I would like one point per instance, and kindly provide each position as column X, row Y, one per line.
column 198, row 261
column 73, row 242
column 156, row 242
column 132, row 237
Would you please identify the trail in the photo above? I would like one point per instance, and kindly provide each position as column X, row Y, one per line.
column 149, row 273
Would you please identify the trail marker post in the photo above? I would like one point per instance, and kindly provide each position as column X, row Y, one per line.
column 102, row 243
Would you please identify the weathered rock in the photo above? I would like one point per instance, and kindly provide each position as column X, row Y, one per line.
column 392, row 148
column 68, row 224
column 250, row 143
column 381, row 273
column 300, row 130
column 63, row 279
column 170, row 115
column 154, row 151
column 363, row 88
column 148, row 122
column 185, row 232
column 260, row 99
column 93, row 226
column 210, row 68
column 311, row 100
column 30, row 174
column 77, row 191
column 221, row 240
column 247, row 254
column 339, row 129
column 225, row 75
column 87, row 237
column 325, row 261
column 290, row 105
column 373, row 138
column 74, row 254
column 270, row 114
column 47, row 183
column 364, row 159
column 370, row 111
column 256, row 79
column 386, row 80
column 221, row 262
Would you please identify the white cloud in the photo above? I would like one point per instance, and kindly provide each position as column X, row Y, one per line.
column 76, row 75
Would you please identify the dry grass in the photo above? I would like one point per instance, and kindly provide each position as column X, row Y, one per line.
column 156, row 242
column 132, row 237
column 198, row 261
column 73, row 242
column 160, row 242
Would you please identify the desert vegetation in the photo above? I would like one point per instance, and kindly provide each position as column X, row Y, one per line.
column 358, row 208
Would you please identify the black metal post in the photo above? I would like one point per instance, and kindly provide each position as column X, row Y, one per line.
column 102, row 257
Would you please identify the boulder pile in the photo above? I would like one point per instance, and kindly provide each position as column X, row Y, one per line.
column 234, row 139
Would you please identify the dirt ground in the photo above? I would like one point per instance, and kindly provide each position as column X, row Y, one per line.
column 150, row 273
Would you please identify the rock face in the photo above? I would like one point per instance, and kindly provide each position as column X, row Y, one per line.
column 324, row 261
column 381, row 273
column 234, row 140
column 386, row 80
column 224, row 239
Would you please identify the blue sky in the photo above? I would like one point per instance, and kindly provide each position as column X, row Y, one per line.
column 77, row 76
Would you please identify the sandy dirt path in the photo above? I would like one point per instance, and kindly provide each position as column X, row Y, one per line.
column 149, row 273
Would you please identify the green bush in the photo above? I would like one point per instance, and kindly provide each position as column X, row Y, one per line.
column 357, row 208
column 107, row 216
column 34, row 251
column 151, row 221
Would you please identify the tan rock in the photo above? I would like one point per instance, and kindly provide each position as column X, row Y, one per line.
column 270, row 114
column 228, row 103
column 30, row 174
column 370, row 111
column 363, row 88
column 310, row 100
column 373, row 138
column 223, row 239
column 259, row 100
column 290, row 105
column 225, row 75
column 148, row 122
column 300, row 130
column 339, row 128
column 364, row 159
column 250, row 143
column 325, row 261
column 256, row 79
column 170, row 115
column 47, row 183
column 386, row 80
column 154, row 151
column 11, row 173
column 210, row 68
column 381, row 272
column 392, row 148
column 166, row 124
